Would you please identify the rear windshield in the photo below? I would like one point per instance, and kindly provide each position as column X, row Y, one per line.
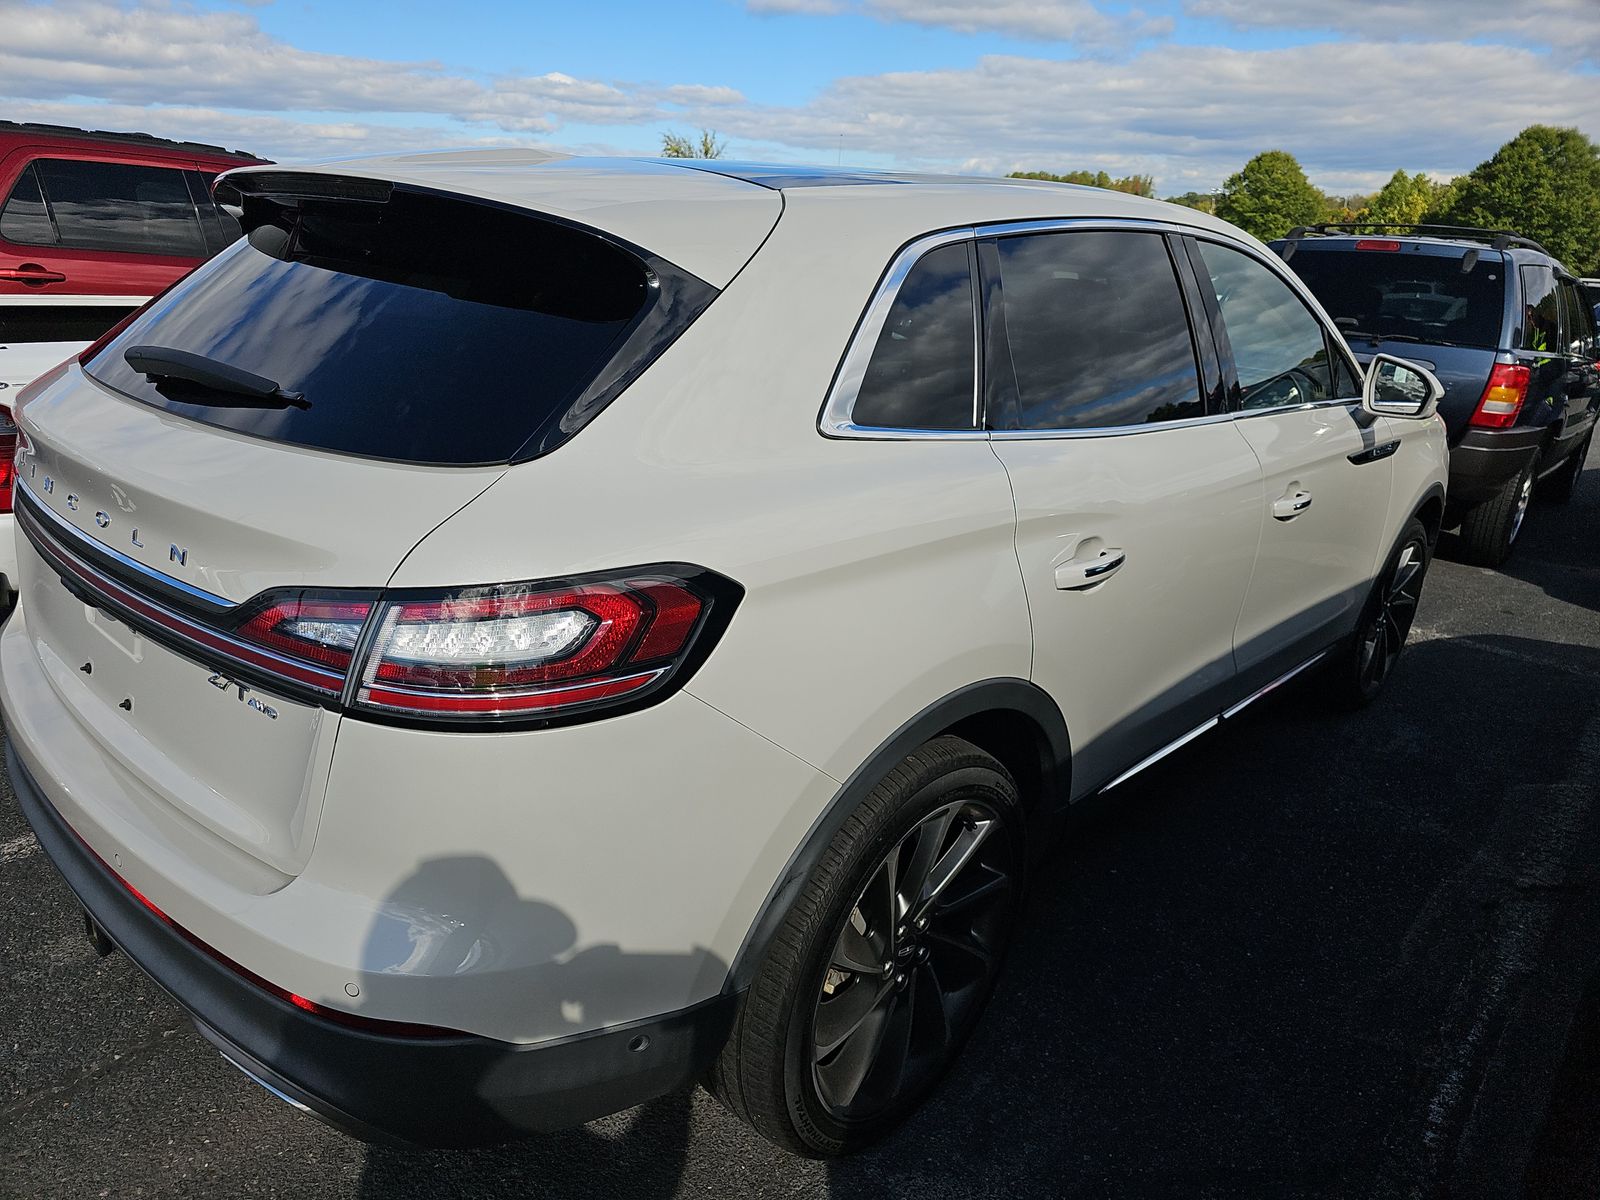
column 414, row 327
column 1425, row 297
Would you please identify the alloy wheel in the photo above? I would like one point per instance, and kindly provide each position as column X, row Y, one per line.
column 1385, row 634
column 913, row 962
column 1524, row 498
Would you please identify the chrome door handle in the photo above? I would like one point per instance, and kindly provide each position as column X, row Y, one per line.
column 1080, row 573
column 1287, row 508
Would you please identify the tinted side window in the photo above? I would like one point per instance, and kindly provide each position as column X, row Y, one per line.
column 1097, row 330
column 220, row 228
column 1541, row 309
column 921, row 372
column 1346, row 383
column 1278, row 345
column 25, row 220
column 1579, row 321
column 115, row 206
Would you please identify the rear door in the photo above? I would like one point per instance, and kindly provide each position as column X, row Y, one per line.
column 1138, row 511
column 1327, row 468
column 93, row 225
column 1582, row 381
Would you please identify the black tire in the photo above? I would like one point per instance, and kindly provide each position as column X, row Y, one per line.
column 1366, row 662
column 1558, row 486
column 770, row 1073
column 1489, row 529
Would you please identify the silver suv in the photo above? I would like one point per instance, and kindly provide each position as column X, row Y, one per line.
column 515, row 635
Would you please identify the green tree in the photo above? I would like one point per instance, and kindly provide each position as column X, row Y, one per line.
column 676, row 145
column 1134, row 185
column 1545, row 184
column 1404, row 200
column 1270, row 196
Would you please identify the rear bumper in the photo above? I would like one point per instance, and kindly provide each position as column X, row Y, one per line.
column 435, row 1091
column 1484, row 459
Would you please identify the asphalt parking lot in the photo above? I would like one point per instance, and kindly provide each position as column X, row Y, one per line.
column 1313, row 956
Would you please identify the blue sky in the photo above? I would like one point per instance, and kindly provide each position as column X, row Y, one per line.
column 1185, row 90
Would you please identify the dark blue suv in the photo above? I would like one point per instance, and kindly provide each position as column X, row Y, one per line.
column 1508, row 331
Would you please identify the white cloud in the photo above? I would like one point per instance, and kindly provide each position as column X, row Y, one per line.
column 1570, row 27
column 1076, row 21
column 180, row 56
column 1352, row 111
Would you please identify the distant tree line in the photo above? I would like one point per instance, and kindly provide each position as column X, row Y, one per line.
column 1134, row 185
column 1544, row 184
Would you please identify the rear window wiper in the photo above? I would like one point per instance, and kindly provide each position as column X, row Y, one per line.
column 159, row 363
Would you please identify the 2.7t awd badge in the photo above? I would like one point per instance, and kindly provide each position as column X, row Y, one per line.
column 222, row 683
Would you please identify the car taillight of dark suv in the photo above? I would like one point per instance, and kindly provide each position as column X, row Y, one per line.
column 1506, row 328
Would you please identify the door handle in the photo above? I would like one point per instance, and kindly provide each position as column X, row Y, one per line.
column 1287, row 508
column 1080, row 573
column 31, row 273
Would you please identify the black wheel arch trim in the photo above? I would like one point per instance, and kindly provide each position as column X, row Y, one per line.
column 1435, row 491
column 1025, row 700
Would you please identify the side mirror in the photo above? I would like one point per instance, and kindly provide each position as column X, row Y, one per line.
column 1397, row 388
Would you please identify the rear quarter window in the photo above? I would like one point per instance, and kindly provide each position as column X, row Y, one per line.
column 418, row 328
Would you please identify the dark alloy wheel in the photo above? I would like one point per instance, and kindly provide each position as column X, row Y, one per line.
column 912, row 964
column 886, row 958
column 1380, row 642
column 1360, row 672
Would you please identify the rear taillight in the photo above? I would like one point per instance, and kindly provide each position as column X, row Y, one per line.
column 1502, row 398
column 533, row 650
column 527, row 654
column 311, row 629
column 8, row 459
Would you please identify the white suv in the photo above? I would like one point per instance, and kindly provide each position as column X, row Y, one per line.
column 516, row 635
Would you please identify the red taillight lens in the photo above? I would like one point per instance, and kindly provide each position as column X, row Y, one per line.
column 8, row 459
column 531, row 650
column 1377, row 244
column 1502, row 398
column 308, row 628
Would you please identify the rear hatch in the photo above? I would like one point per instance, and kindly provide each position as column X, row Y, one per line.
column 1440, row 304
column 404, row 348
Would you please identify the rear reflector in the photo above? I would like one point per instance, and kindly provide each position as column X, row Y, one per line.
column 1377, row 244
column 1502, row 398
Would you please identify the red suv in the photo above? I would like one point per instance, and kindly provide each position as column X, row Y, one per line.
column 91, row 226
column 88, row 218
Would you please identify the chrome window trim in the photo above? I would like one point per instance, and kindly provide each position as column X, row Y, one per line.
column 122, row 560
column 835, row 421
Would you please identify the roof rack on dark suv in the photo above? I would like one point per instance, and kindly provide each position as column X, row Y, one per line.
column 1498, row 239
column 123, row 139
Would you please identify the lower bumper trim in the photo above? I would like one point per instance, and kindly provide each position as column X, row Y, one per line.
column 442, row 1091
